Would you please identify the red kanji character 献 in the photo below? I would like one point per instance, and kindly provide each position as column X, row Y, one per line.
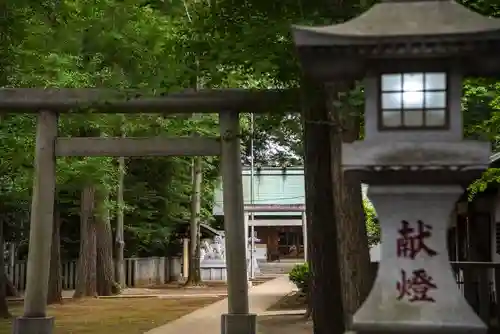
column 411, row 241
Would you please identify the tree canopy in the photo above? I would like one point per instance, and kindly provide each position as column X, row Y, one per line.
column 158, row 45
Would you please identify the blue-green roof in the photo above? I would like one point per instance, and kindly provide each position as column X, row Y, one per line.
column 272, row 185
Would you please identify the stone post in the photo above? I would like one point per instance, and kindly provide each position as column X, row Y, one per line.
column 34, row 319
column 238, row 320
column 185, row 258
column 247, row 249
column 252, row 248
column 415, row 289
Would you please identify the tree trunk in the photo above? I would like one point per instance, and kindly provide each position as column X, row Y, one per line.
column 353, row 240
column 119, row 240
column 55, row 282
column 326, row 301
column 10, row 288
column 106, row 284
column 309, row 306
column 4, row 307
column 194, row 277
column 86, row 285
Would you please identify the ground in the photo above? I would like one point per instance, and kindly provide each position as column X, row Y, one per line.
column 213, row 286
column 292, row 301
column 296, row 324
column 177, row 285
column 170, row 289
column 285, row 323
column 117, row 315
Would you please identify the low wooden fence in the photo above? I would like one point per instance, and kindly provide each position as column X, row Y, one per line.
column 480, row 284
column 138, row 272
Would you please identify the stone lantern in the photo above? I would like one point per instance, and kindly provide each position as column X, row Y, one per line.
column 412, row 56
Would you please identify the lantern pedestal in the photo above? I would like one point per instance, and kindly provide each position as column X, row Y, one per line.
column 415, row 290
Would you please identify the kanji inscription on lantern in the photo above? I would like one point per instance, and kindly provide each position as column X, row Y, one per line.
column 411, row 240
column 416, row 287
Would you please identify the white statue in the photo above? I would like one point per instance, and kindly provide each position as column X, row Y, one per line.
column 254, row 237
column 251, row 258
column 219, row 247
column 207, row 250
column 203, row 253
column 213, row 262
column 213, row 250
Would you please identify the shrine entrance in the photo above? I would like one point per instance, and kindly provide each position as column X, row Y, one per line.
column 49, row 103
column 290, row 242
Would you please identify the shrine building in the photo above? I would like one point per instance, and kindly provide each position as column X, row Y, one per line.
column 474, row 248
column 277, row 208
column 276, row 212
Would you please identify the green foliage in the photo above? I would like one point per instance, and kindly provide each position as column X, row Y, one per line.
column 160, row 46
column 301, row 277
column 372, row 225
column 490, row 177
column 300, row 274
column 112, row 44
column 481, row 109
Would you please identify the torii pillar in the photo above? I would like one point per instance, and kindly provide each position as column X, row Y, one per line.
column 34, row 319
column 238, row 320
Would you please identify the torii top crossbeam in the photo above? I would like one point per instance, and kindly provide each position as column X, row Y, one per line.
column 130, row 101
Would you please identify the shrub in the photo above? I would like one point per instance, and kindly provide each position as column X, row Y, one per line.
column 300, row 274
column 301, row 277
column 372, row 225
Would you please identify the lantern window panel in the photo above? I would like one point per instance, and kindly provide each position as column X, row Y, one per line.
column 413, row 100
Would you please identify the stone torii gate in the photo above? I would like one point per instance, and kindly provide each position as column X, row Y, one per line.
column 48, row 103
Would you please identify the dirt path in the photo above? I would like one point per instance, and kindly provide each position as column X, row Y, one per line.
column 208, row 320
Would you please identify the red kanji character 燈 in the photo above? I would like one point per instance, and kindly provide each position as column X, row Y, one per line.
column 416, row 287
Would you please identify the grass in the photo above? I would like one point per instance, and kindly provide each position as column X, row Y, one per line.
column 118, row 315
column 180, row 286
column 216, row 285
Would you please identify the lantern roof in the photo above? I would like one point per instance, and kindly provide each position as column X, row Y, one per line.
column 404, row 21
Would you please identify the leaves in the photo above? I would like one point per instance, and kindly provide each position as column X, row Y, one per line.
column 372, row 224
column 112, row 44
column 162, row 46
